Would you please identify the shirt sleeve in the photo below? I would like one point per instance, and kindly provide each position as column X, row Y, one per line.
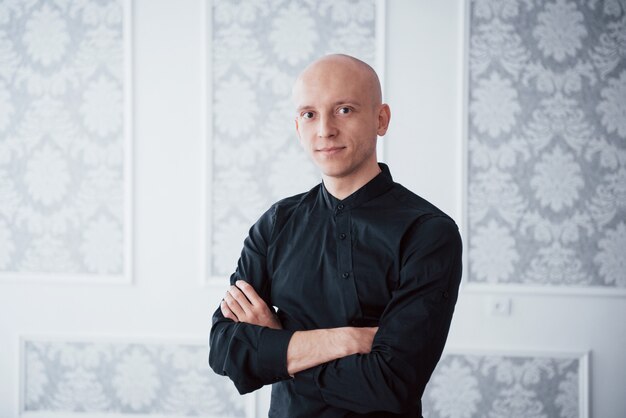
column 250, row 355
column 411, row 335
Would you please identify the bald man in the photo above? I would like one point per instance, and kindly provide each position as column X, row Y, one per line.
column 364, row 273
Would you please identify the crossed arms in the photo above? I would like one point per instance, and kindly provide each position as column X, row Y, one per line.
column 306, row 349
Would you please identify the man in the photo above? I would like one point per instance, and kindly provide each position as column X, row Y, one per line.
column 364, row 273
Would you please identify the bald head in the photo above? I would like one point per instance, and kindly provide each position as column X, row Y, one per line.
column 342, row 68
column 339, row 116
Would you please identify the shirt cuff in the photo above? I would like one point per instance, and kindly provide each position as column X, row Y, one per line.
column 273, row 353
column 305, row 383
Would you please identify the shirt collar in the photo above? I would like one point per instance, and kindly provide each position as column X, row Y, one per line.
column 374, row 188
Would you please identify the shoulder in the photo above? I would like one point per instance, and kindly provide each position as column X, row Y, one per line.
column 428, row 223
column 438, row 229
column 421, row 211
column 410, row 201
column 291, row 203
column 281, row 210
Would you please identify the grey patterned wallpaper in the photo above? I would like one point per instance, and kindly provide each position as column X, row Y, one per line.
column 125, row 378
column 62, row 145
column 507, row 386
column 258, row 49
column 171, row 379
column 547, row 143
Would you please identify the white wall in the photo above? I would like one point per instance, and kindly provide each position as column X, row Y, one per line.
column 423, row 85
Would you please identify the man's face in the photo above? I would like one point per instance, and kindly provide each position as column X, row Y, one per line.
column 339, row 117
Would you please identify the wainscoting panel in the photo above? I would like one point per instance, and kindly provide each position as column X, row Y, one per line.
column 501, row 385
column 106, row 378
column 547, row 145
column 65, row 126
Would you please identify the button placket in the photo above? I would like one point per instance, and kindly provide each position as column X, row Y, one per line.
column 345, row 275
column 344, row 247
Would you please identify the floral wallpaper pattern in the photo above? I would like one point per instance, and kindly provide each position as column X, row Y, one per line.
column 547, row 142
column 497, row 386
column 125, row 378
column 258, row 50
column 61, row 137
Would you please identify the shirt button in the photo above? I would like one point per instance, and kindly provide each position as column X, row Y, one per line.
column 446, row 294
column 345, row 275
column 340, row 206
column 342, row 236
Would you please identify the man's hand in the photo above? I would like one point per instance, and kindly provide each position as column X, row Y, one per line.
column 243, row 304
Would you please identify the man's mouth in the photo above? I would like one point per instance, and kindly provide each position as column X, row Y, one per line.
column 330, row 150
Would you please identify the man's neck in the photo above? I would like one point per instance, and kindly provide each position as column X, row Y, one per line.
column 342, row 187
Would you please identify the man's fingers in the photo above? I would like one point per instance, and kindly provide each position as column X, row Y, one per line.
column 243, row 301
column 227, row 312
column 234, row 306
column 249, row 292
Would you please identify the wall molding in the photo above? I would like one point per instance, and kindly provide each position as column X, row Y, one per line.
column 126, row 275
column 514, row 287
column 148, row 351
column 520, row 384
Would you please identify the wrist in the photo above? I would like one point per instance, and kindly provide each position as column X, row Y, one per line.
column 341, row 341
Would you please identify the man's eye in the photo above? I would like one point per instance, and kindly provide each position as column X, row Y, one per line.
column 307, row 115
column 345, row 110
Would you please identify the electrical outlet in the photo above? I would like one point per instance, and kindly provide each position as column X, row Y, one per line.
column 499, row 306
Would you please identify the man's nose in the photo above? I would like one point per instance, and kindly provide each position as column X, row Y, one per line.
column 326, row 127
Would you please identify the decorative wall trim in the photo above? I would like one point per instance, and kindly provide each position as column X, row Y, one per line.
column 498, row 383
column 119, row 377
column 42, row 84
column 583, row 224
column 261, row 80
column 483, row 288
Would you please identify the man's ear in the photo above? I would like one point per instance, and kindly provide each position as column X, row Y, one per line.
column 297, row 127
column 384, row 116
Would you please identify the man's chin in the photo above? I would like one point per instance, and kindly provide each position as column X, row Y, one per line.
column 335, row 172
column 326, row 166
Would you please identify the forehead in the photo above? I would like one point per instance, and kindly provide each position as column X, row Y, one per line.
column 331, row 83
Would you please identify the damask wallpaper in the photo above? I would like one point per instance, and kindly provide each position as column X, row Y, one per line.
column 170, row 379
column 62, row 143
column 258, row 49
column 506, row 386
column 125, row 378
column 547, row 143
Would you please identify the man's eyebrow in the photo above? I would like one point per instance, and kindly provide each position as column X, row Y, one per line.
column 350, row 102
column 336, row 103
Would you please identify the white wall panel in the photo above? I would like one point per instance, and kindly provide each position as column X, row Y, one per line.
column 468, row 384
column 546, row 146
column 65, row 132
column 124, row 378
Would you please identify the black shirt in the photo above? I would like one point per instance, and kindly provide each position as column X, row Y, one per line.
column 383, row 257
